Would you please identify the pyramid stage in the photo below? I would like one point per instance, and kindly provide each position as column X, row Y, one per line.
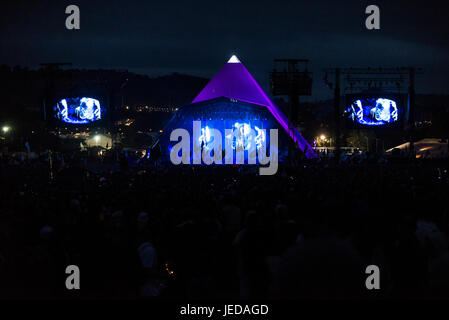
column 234, row 100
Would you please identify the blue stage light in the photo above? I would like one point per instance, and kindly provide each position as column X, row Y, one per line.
column 205, row 138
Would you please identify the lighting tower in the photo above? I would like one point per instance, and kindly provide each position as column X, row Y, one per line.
column 293, row 80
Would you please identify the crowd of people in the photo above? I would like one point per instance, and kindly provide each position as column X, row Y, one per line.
column 159, row 230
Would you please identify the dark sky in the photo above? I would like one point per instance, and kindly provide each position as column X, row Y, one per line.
column 197, row 37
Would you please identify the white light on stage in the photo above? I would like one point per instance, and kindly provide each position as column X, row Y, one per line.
column 234, row 59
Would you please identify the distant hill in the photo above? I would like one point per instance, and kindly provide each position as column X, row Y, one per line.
column 23, row 90
column 171, row 90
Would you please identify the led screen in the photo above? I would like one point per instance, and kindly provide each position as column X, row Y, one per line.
column 78, row 110
column 376, row 111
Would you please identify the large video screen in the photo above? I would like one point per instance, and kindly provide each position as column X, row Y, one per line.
column 78, row 110
column 373, row 111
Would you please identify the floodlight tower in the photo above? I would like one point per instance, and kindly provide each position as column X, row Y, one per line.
column 293, row 82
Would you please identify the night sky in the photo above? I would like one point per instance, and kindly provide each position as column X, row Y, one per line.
column 197, row 37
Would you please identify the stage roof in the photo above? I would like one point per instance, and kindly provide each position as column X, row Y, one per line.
column 235, row 82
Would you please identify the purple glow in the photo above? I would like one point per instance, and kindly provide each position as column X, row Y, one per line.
column 234, row 81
